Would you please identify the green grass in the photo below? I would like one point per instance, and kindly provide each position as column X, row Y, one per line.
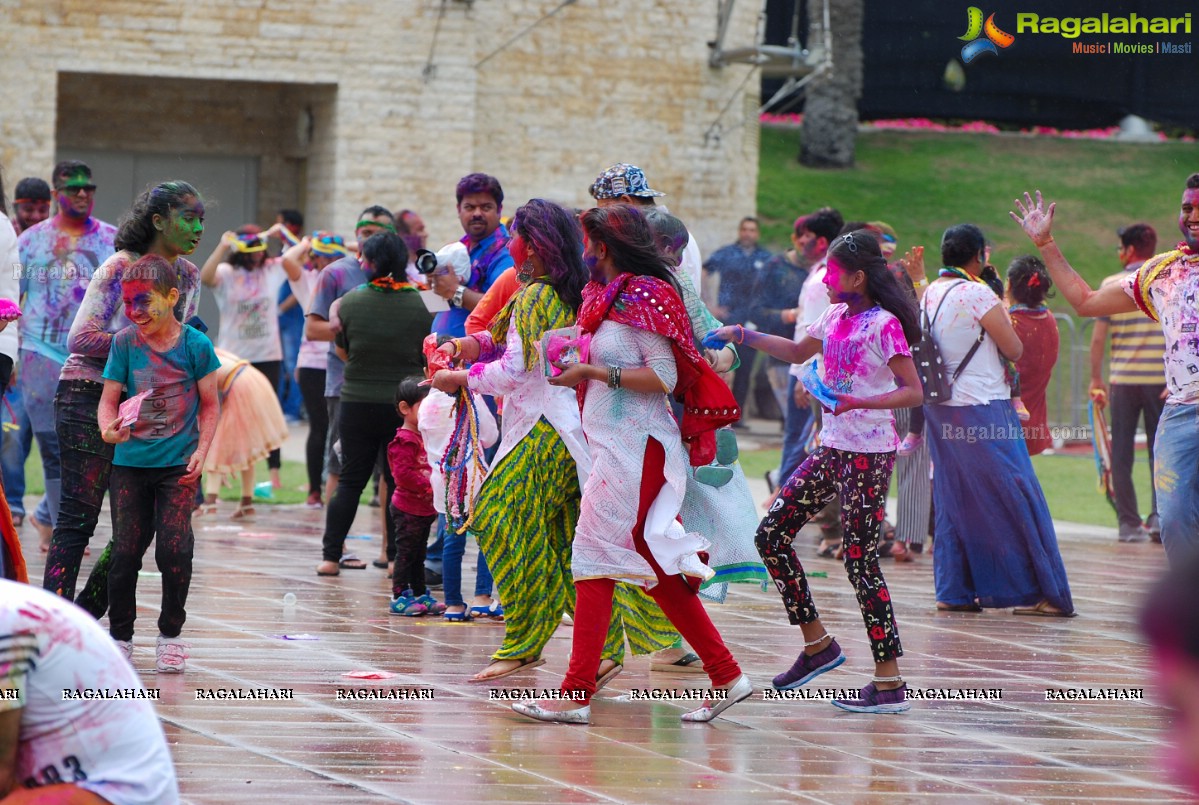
column 1069, row 482
column 921, row 183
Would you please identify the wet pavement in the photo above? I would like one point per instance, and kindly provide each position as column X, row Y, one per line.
column 457, row 744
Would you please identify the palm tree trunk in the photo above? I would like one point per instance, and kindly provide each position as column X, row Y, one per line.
column 830, row 122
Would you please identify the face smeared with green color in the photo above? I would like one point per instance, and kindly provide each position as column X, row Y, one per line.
column 181, row 232
column 74, row 198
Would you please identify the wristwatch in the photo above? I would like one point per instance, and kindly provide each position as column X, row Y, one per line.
column 456, row 300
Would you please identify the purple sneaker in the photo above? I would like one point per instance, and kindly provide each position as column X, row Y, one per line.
column 873, row 700
column 807, row 668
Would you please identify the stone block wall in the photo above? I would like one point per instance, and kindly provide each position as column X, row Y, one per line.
column 353, row 102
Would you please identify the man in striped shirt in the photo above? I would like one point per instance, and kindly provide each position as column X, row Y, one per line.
column 1138, row 384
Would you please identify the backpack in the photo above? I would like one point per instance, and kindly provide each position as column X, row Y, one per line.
column 927, row 356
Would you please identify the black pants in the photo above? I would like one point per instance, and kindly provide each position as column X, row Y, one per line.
column 271, row 369
column 86, row 463
column 312, row 389
column 410, row 533
column 1129, row 403
column 365, row 429
column 149, row 502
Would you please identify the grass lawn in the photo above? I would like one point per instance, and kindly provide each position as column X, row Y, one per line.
column 1069, row 482
column 921, row 183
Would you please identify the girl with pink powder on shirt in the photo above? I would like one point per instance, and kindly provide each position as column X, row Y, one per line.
column 864, row 335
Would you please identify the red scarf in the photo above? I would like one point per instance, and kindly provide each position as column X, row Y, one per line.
column 651, row 304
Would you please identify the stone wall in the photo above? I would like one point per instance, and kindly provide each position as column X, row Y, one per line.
column 351, row 103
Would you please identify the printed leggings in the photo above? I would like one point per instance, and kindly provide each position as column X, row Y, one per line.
column 860, row 481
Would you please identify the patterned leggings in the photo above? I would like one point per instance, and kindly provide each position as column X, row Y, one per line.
column 860, row 480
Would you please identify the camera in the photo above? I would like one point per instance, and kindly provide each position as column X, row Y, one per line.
column 426, row 261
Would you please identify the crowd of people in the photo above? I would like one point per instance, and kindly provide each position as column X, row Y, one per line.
column 554, row 386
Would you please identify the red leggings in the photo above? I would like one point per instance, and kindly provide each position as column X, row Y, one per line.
column 593, row 608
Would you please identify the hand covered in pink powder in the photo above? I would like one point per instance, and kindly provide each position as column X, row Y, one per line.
column 195, row 466
column 9, row 312
column 845, row 402
column 113, row 433
column 1035, row 219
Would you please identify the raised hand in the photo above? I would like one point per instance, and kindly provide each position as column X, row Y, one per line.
column 1035, row 219
column 913, row 263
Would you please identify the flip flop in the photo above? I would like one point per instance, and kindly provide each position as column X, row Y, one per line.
column 526, row 664
column 379, row 563
column 605, row 678
column 689, row 663
column 958, row 607
column 1043, row 610
column 319, row 573
column 351, row 562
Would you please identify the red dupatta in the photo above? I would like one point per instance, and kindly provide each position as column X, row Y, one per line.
column 651, row 304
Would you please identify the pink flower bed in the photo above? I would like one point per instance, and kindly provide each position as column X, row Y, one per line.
column 971, row 127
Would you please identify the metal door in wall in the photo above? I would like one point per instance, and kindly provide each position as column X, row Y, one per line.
column 229, row 186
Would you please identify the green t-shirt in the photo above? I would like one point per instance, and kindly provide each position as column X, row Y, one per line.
column 382, row 330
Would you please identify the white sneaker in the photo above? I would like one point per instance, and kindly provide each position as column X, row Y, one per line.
column 172, row 659
column 126, row 647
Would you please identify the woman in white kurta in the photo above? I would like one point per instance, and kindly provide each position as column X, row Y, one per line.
column 526, row 512
column 642, row 348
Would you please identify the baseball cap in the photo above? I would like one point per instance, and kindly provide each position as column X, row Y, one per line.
column 622, row 179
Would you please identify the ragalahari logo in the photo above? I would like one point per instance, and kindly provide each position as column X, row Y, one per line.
column 978, row 45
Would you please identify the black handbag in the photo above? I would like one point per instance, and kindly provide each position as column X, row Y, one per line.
column 927, row 356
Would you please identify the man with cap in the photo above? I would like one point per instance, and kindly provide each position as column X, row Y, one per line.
column 626, row 184
column 58, row 258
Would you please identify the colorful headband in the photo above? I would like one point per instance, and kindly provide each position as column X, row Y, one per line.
column 328, row 246
column 364, row 222
column 30, row 200
column 249, row 244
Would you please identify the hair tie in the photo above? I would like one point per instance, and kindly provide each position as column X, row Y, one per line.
column 1035, row 280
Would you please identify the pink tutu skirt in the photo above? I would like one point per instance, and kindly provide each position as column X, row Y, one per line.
column 251, row 423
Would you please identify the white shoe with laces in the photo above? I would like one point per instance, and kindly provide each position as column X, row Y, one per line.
column 126, row 647
column 172, row 658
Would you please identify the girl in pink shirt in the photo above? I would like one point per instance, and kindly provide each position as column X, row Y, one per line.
column 868, row 370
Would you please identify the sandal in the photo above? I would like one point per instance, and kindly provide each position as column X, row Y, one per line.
column 1043, row 609
column 457, row 617
column 827, row 552
column 244, row 513
column 492, row 611
column 351, row 562
column 603, row 679
column 525, row 664
column 689, row 663
column 900, row 552
column 943, row 607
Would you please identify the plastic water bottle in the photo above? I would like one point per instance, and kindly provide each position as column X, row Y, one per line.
column 289, row 600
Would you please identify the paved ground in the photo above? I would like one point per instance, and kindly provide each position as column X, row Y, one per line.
column 459, row 746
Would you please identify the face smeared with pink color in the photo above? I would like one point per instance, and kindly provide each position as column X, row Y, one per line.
column 181, row 232
column 811, row 246
column 148, row 309
column 844, row 286
column 1188, row 217
column 75, row 199
column 519, row 249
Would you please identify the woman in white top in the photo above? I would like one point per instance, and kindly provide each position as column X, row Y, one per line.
column 526, row 512
column 246, row 283
column 642, row 347
column 995, row 541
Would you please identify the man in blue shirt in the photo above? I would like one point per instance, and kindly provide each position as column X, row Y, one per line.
column 480, row 201
column 737, row 266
